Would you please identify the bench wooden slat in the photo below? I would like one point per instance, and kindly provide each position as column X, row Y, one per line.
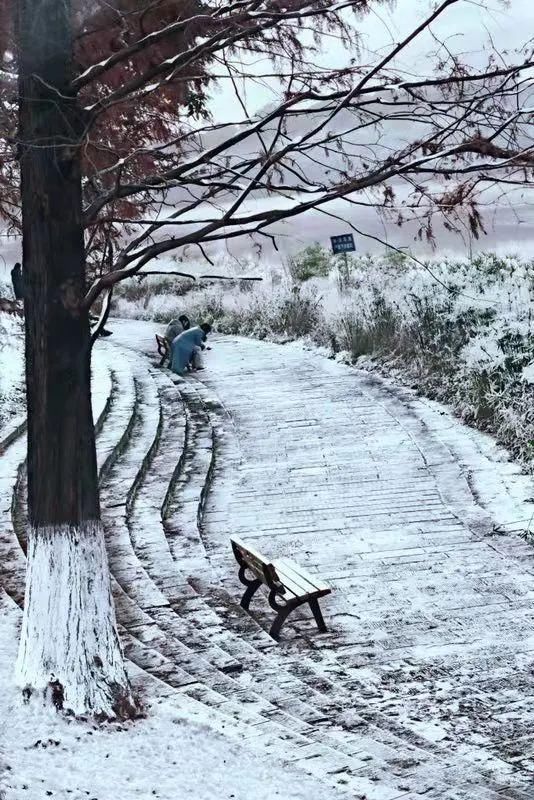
column 294, row 584
column 247, row 548
column 300, row 574
column 162, row 343
column 256, row 561
column 290, row 569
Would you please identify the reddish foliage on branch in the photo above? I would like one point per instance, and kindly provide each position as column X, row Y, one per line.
column 126, row 130
column 119, row 145
column 124, row 133
column 138, row 120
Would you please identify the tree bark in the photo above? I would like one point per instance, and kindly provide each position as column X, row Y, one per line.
column 63, row 501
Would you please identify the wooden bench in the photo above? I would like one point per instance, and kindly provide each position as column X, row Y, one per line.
column 289, row 585
column 163, row 348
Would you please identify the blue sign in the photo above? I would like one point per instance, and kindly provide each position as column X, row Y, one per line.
column 343, row 244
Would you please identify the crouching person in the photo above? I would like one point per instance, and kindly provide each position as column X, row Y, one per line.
column 186, row 347
column 176, row 327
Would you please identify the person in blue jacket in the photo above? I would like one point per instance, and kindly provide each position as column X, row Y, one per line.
column 186, row 345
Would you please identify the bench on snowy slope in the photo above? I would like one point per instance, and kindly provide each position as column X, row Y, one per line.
column 289, row 585
column 163, row 348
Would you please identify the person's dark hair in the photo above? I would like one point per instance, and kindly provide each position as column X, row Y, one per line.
column 186, row 322
column 18, row 266
column 206, row 327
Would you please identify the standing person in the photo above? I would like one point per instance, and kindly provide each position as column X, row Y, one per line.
column 17, row 279
column 186, row 347
column 176, row 327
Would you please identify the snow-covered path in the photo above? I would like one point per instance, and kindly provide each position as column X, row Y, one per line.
column 423, row 686
column 431, row 631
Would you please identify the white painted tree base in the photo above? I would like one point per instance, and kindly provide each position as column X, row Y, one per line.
column 69, row 647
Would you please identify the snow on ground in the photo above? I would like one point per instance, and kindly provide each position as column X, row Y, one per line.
column 421, row 687
column 167, row 755
column 498, row 482
column 11, row 368
column 358, row 480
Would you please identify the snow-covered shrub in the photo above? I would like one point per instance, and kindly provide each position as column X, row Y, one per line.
column 373, row 329
column 312, row 262
column 137, row 291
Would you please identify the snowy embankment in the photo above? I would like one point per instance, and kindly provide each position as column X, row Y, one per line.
column 11, row 369
column 458, row 331
column 167, row 755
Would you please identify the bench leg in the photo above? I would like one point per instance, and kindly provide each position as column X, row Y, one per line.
column 316, row 611
column 250, row 591
column 279, row 621
column 162, row 360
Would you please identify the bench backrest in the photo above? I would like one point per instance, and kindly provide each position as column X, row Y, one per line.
column 247, row 556
column 163, row 345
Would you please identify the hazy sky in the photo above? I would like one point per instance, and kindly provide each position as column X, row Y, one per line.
column 466, row 28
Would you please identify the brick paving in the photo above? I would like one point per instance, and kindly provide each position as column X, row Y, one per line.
column 422, row 687
column 431, row 614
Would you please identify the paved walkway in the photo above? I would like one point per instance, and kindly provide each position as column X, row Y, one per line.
column 431, row 617
column 423, row 686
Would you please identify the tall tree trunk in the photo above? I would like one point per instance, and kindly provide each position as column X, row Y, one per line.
column 69, row 639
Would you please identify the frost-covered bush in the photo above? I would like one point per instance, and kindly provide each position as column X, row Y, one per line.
column 312, row 262
column 141, row 291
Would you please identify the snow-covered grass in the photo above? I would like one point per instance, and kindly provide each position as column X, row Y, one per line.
column 461, row 331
